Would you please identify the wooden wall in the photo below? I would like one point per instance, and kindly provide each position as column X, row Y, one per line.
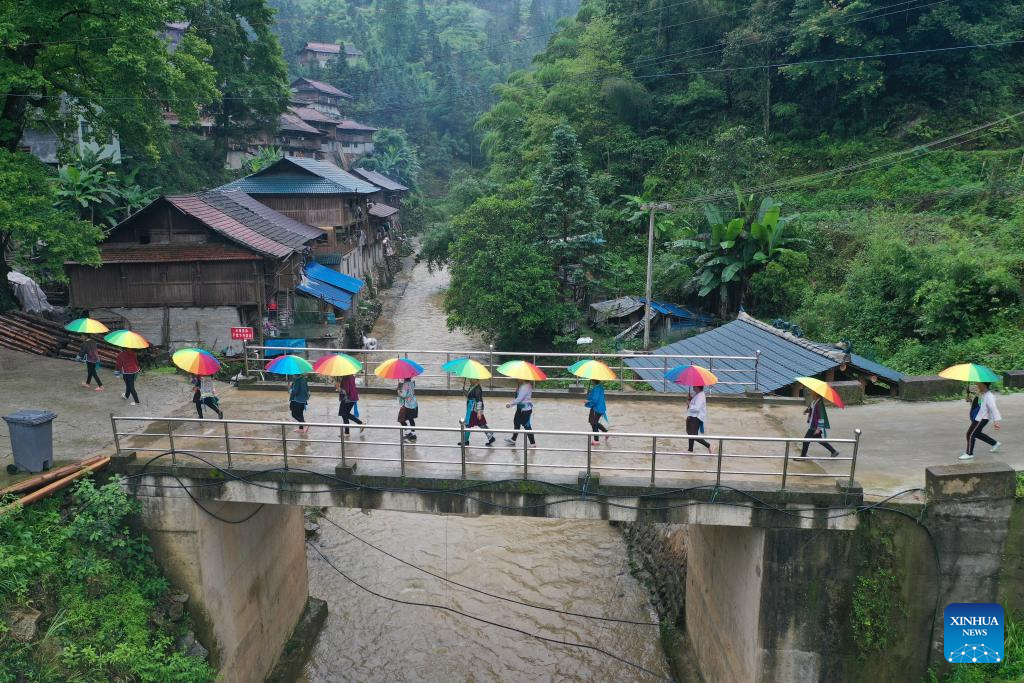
column 320, row 210
column 201, row 283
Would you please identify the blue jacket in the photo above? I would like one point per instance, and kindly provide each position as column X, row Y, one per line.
column 595, row 399
column 299, row 391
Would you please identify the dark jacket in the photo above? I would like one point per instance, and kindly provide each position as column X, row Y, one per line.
column 299, row 391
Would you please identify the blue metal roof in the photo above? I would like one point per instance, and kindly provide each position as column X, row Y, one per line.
column 344, row 282
column 876, row 368
column 294, row 175
column 324, row 292
column 676, row 311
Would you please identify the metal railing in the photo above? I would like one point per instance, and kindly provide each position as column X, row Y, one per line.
column 570, row 451
column 554, row 364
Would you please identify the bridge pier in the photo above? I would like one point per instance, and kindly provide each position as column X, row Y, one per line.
column 247, row 581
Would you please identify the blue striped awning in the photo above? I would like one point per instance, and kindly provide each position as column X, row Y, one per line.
column 328, row 276
column 332, row 295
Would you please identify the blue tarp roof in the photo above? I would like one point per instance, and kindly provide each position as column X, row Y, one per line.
column 676, row 311
column 332, row 295
column 331, row 277
column 782, row 359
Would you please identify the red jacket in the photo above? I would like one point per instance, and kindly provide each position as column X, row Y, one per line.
column 127, row 362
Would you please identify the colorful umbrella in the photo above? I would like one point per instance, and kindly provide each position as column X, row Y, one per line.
column 691, row 376
column 196, row 361
column 289, row 365
column 521, row 369
column 592, row 369
column 398, row 368
column 969, row 372
column 822, row 389
column 467, row 368
column 87, row 326
column 127, row 339
column 337, row 365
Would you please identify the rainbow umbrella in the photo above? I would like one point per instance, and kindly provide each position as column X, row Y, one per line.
column 521, row 369
column 86, row 326
column 467, row 368
column 196, row 361
column 969, row 372
column 127, row 339
column 289, row 365
column 398, row 368
column 691, row 376
column 592, row 369
column 822, row 389
column 337, row 365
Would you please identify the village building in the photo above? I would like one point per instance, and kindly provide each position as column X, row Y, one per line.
column 323, row 54
column 184, row 269
column 321, row 96
column 322, row 194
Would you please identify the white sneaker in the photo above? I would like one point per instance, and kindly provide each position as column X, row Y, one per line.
column 995, row 449
column 966, row 456
column 509, row 441
column 133, row 403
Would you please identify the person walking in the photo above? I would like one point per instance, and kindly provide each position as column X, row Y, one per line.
column 475, row 412
column 127, row 363
column 408, row 408
column 298, row 398
column 696, row 415
column 204, row 393
column 90, row 353
column 817, row 424
column 524, row 414
column 983, row 411
column 598, row 410
column 348, row 396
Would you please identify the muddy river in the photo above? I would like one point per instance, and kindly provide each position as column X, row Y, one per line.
column 575, row 566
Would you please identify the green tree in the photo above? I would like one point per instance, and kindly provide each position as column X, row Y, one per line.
column 104, row 61
column 35, row 236
column 99, row 192
column 563, row 203
column 394, row 156
column 501, row 285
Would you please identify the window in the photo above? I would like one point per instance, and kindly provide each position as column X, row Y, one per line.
column 143, row 234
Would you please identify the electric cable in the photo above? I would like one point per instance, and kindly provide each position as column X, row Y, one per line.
column 554, row 641
column 483, row 592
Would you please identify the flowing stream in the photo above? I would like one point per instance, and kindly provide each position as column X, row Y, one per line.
column 577, row 566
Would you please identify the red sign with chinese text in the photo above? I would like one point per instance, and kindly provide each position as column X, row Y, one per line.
column 242, row 333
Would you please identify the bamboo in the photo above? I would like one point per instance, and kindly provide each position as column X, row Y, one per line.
column 57, row 485
column 41, row 479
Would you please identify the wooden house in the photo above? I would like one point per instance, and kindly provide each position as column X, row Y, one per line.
column 219, row 249
column 318, row 95
column 323, row 195
column 323, row 54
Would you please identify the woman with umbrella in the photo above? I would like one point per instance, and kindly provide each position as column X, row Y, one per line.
column 527, row 373
column 343, row 366
column 88, row 351
column 404, row 370
column 200, row 365
column 597, row 372
column 474, row 371
column 127, row 363
column 298, row 388
column 817, row 418
column 983, row 404
column 697, row 409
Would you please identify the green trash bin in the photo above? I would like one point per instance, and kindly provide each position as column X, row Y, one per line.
column 31, row 440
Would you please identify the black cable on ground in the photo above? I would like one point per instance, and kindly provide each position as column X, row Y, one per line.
column 445, row 608
column 483, row 592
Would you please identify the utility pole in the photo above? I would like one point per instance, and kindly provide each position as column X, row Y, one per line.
column 653, row 207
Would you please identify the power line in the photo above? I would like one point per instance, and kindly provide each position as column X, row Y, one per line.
column 554, row 641
column 483, row 592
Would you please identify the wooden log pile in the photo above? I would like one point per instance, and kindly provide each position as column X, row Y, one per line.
column 23, row 332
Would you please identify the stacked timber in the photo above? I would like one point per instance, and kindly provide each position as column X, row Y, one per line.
column 23, row 332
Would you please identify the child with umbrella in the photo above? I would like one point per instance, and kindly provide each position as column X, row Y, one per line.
column 983, row 405
column 474, row 371
column 697, row 408
column 89, row 351
column 404, row 370
column 295, row 367
column 527, row 373
column 344, row 366
column 597, row 372
column 200, row 365
column 817, row 418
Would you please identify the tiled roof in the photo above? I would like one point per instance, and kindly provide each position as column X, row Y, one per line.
column 380, row 180
column 262, row 218
column 332, row 48
column 319, row 86
column 294, row 123
column 380, row 210
column 352, row 51
column 158, row 253
column 784, row 357
column 294, row 175
column 310, row 114
column 349, row 124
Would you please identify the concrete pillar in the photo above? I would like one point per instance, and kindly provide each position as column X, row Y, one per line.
column 247, row 582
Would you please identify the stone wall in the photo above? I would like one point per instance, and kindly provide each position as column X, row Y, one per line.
column 657, row 557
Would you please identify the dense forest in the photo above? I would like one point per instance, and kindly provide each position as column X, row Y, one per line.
column 854, row 168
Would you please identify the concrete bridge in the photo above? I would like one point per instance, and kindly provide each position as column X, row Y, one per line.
column 773, row 559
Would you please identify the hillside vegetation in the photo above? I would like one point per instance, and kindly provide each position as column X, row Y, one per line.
column 888, row 134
